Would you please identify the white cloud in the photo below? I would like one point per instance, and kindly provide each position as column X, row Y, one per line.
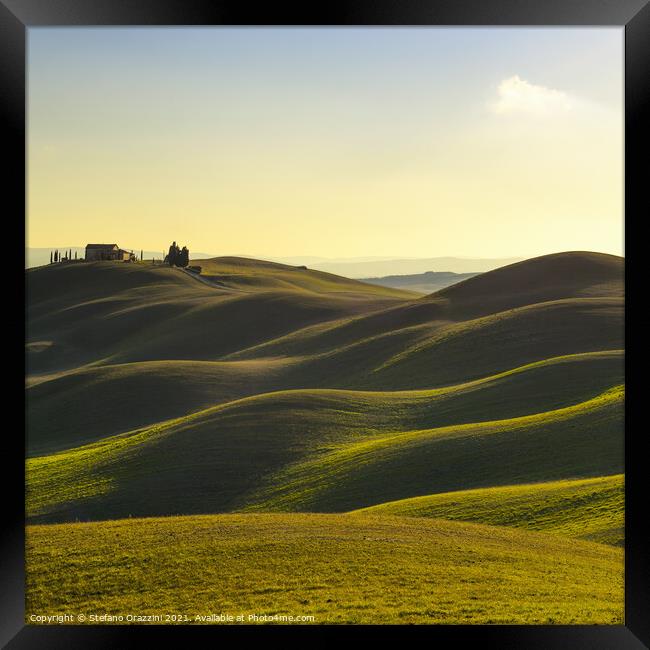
column 518, row 96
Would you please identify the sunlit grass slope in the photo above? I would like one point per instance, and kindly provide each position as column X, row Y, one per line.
column 101, row 401
column 577, row 441
column 258, row 275
column 105, row 400
column 585, row 508
column 338, row 568
column 325, row 451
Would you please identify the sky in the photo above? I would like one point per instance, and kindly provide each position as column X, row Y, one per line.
column 333, row 142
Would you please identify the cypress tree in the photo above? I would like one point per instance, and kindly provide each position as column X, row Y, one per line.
column 51, row 258
column 172, row 254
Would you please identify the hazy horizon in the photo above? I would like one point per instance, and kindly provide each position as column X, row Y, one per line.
column 328, row 143
column 352, row 267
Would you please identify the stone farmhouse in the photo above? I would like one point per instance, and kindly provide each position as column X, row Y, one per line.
column 100, row 252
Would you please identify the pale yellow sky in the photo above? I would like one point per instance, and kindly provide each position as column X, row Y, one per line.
column 339, row 143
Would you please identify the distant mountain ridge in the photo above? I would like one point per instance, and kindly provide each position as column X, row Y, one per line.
column 378, row 268
column 421, row 282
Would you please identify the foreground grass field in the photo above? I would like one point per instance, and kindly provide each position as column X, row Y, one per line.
column 337, row 568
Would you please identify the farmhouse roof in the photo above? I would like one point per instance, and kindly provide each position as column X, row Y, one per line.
column 111, row 246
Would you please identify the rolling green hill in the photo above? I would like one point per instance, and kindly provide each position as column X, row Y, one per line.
column 100, row 401
column 129, row 395
column 584, row 508
column 107, row 312
column 487, row 324
column 69, row 411
column 337, row 568
column 576, row 274
column 576, row 441
column 264, row 388
column 245, row 274
column 321, row 452
column 500, row 341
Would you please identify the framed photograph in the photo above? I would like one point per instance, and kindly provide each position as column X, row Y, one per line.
column 325, row 321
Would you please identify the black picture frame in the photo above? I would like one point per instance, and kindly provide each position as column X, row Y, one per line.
column 16, row 16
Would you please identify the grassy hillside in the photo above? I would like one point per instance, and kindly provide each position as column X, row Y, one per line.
column 101, row 401
column 242, row 404
column 590, row 509
column 550, row 306
column 258, row 275
column 500, row 341
column 109, row 311
column 577, row 441
column 402, row 347
column 116, row 313
column 337, row 568
column 325, row 451
column 547, row 278
column 567, row 280
column 104, row 401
